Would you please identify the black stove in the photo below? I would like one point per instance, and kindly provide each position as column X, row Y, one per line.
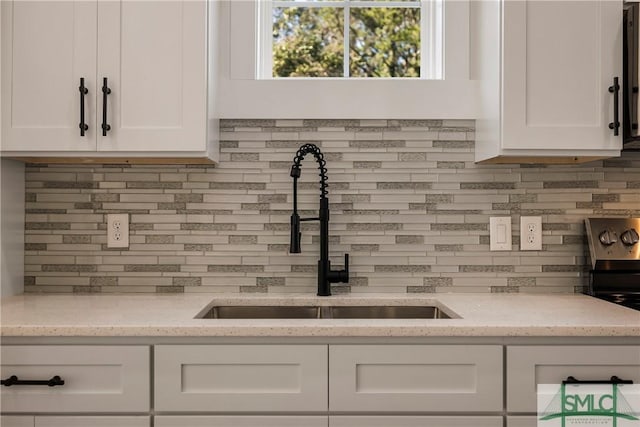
column 615, row 260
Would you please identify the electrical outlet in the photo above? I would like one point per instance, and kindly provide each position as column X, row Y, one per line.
column 530, row 233
column 118, row 231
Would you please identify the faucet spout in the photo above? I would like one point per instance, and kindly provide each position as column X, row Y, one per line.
column 326, row 276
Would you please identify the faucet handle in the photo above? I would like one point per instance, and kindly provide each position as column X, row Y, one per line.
column 296, row 235
column 344, row 274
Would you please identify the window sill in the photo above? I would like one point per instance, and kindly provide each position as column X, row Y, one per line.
column 332, row 98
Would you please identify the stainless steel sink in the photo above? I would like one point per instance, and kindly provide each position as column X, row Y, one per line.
column 387, row 312
column 322, row 312
column 260, row 312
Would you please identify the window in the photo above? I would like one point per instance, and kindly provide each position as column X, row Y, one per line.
column 246, row 88
column 350, row 39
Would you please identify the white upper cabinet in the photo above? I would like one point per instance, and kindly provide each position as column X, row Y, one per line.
column 544, row 70
column 47, row 47
column 153, row 55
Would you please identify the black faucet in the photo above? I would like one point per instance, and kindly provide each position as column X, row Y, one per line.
column 326, row 276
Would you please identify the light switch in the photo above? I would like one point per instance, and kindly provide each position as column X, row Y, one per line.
column 500, row 233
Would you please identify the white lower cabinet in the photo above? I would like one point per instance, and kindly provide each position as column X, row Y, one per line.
column 97, row 421
column 295, row 385
column 97, row 379
column 413, row 421
column 74, row 421
column 242, row 378
column 17, row 421
column 359, row 378
column 417, row 378
column 522, row 421
column 240, row 421
column 528, row 366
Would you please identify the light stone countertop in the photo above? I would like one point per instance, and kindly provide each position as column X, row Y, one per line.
column 166, row 315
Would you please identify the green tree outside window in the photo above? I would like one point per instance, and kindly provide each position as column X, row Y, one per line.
column 310, row 42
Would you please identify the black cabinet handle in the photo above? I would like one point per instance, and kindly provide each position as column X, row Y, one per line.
column 13, row 380
column 613, row 380
column 83, row 91
column 105, row 92
column 615, row 90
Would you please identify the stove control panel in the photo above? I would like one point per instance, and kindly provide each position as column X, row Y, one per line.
column 613, row 239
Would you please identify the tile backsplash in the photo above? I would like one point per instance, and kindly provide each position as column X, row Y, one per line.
column 407, row 203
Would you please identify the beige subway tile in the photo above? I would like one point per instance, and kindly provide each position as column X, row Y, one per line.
column 130, row 287
column 225, row 289
column 62, row 281
column 105, row 268
column 129, row 259
column 49, row 259
column 145, row 198
column 155, row 219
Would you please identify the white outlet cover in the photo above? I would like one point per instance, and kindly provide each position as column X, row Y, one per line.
column 530, row 233
column 500, row 233
column 118, row 230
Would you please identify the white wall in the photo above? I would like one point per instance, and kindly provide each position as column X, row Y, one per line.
column 12, row 208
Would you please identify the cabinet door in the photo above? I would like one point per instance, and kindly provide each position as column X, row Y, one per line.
column 240, row 421
column 522, row 421
column 47, row 46
column 560, row 57
column 413, row 421
column 153, row 54
column 417, row 378
column 96, row 379
column 528, row 366
column 243, row 378
column 17, row 421
column 98, row 421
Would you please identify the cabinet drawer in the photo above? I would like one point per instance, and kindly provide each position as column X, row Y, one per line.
column 418, row 378
column 17, row 421
column 240, row 421
column 522, row 421
column 528, row 366
column 413, row 421
column 97, row 378
column 247, row 378
column 98, row 421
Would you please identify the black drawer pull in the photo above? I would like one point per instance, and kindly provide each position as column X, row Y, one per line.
column 83, row 91
column 612, row 380
column 615, row 89
column 13, row 380
column 105, row 92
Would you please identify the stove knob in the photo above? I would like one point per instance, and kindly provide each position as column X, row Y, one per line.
column 630, row 237
column 608, row 238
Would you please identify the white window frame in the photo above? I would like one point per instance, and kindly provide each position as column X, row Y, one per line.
column 240, row 94
column 431, row 33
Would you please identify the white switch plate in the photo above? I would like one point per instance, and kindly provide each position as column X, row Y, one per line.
column 530, row 233
column 118, row 231
column 500, row 233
